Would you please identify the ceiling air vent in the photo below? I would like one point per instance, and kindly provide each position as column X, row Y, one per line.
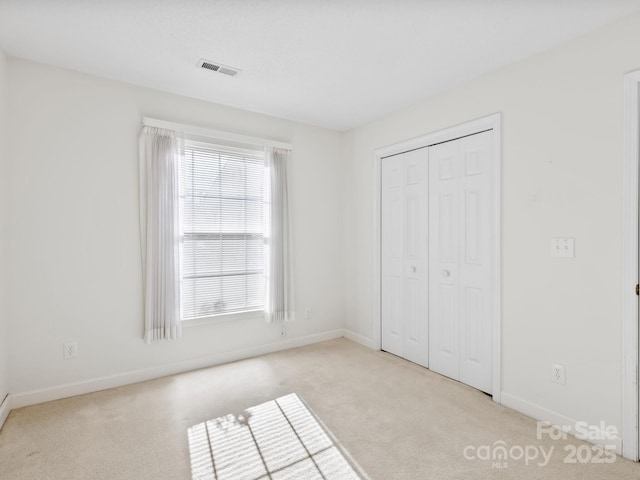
column 218, row 67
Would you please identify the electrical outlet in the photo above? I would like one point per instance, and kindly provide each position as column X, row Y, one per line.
column 557, row 373
column 70, row 350
column 283, row 331
column 563, row 247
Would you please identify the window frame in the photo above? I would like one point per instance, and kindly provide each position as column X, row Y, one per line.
column 233, row 147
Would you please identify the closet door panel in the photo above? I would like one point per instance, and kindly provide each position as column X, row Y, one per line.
column 416, row 270
column 404, row 256
column 392, row 252
column 443, row 259
column 475, row 261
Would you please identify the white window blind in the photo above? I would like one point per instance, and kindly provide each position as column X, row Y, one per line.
column 222, row 245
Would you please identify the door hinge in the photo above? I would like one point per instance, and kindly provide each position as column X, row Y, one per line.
column 637, row 289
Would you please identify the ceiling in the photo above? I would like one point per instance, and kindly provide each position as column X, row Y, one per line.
column 333, row 63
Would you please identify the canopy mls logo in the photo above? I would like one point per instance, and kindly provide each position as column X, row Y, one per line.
column 500, row 453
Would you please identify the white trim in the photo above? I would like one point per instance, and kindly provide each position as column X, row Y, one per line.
column 223, row 318
column 496, row 287
column 118, row 380
column 220, row 135
column 5, row 409
column 450, row 133
column 361, row 339
column 630, row 399
column 490, row 122
column 558, row 420
column 377, row 250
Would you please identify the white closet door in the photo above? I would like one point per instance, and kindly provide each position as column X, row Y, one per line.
column 476, row 317
column 392, row 253
column 416, row 258
column 460, row 217
column 444, row 246
column 405, row 256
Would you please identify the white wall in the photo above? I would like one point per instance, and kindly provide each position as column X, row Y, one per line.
column 73, row 243
column 73, row 227
column 4, row 327
column 562, row 158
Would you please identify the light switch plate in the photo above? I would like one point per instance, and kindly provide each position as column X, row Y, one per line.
column 563, row 247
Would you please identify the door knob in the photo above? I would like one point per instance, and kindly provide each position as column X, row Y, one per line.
column 446, row 273
column 413, row 269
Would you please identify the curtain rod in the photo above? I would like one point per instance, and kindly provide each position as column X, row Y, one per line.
column 206, row 132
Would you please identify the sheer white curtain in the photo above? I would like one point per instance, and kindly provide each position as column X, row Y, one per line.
column 277, row 234
column 159, row 232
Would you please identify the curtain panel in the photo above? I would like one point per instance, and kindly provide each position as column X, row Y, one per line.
column 277, row 233
column 159, row 233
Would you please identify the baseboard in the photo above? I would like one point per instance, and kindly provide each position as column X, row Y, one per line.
column 556, row 419
column 5, row 408
column 118, row 380
column 356, row 337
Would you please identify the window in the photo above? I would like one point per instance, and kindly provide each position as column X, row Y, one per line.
column 211, row 244
column 221, row 230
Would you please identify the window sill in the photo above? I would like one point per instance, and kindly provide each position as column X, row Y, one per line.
column 223, row 318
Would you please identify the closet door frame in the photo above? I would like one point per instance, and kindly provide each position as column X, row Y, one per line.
column 490, row 122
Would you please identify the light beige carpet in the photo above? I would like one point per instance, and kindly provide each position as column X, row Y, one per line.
column 397, row 420
column 279, row 440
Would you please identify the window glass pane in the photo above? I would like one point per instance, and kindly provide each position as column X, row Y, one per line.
column 222, row 255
